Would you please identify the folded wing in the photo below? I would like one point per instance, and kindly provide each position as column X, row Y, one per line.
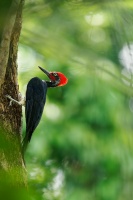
column 35, row 101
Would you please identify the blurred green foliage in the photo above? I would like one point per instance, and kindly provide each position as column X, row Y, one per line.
column 83, row 146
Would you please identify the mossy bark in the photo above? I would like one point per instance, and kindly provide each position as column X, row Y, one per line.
column 11, row 161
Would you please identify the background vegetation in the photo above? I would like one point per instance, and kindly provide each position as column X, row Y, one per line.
column 83, row 146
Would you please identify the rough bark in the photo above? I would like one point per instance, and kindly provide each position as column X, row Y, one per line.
column 11, row 161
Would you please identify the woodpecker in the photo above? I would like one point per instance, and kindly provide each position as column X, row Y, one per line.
column 35, row 100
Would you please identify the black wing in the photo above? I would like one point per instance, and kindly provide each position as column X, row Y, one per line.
column 35, row 101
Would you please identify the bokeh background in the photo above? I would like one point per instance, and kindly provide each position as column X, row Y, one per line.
column 83, row 146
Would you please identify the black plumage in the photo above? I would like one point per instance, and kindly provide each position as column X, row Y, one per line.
column 35, row 101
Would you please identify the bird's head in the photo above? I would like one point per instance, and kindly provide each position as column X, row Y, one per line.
column 56, row 78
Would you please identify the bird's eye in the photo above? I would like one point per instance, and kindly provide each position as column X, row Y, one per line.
column 55, row 74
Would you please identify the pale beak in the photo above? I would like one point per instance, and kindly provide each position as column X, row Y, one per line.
column 45, row 71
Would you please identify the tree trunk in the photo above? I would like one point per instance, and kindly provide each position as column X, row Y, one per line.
column 11, row 161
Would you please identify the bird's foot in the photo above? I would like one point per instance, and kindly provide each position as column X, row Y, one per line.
column 13, row 100
column 21, row 99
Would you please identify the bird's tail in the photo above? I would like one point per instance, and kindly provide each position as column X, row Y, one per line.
column 25, row 143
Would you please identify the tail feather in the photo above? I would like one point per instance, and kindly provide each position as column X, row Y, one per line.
column 25, row 144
